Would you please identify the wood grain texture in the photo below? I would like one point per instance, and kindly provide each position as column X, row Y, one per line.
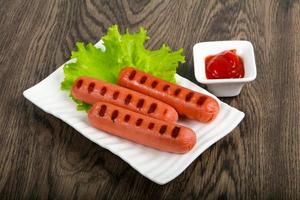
column 43, row 158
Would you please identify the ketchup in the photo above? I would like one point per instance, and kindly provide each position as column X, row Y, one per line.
column 226, row 64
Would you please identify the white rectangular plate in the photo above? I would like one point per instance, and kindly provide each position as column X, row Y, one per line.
column 160, row 167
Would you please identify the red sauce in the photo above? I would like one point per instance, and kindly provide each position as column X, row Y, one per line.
column 226, row 64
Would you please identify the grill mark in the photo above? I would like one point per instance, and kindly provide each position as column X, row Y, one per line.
column 132, row 75
column 116, row 95
column 201, row 100
column 103, row 91
column 79, row 83
column 163, row 129
column 177, row 91
column 114, row 115
column 166, row 87
column 175, row 131
column 189, row 96
column 127, row 99
column 139, row 122
column 140, row 103
column 151, row 125
column 102, row 110
column 152, row 108
column 143, row 80
column 127, row 118
column 91, row 87
column 154, row 84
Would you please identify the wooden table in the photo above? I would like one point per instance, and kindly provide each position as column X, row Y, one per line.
column 42, row 157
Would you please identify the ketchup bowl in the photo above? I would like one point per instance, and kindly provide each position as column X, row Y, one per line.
column 224, row 87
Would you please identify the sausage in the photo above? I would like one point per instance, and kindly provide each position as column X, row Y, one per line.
column 92, row 90
column 142, row 129
column 189, row 103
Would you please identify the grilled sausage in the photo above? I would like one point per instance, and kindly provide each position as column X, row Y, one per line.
column 141, row 129
column 189, row 103
column 91, row 90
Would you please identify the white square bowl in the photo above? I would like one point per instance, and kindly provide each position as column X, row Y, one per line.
column 224, row 87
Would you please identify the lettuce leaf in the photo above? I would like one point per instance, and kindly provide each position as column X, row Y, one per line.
column 121, row 50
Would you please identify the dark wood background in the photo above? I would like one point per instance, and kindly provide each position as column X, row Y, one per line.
column 41, row 157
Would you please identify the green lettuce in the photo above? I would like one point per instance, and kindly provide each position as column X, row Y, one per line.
column 121, row 50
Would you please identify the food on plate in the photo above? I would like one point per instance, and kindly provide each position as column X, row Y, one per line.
column 189, row 103
column 141, row 129
column 90, row 90
column 119, row 50
column 226, row 64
